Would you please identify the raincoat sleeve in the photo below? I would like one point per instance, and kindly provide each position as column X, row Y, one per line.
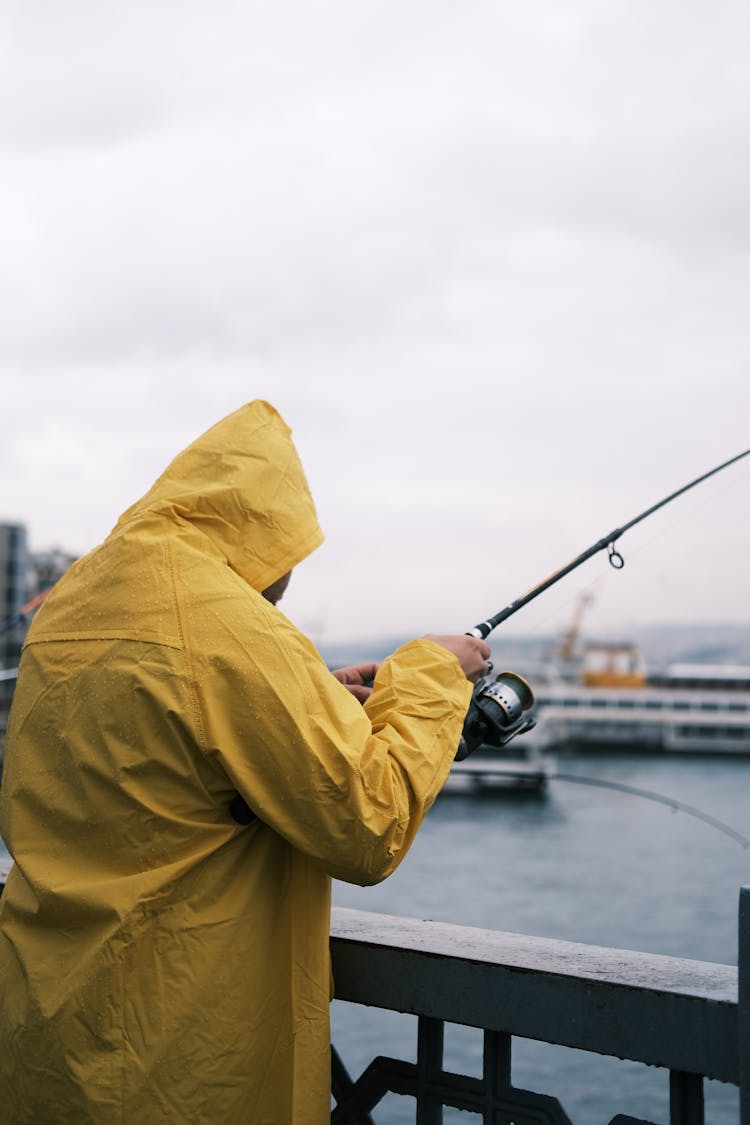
column 345, row 784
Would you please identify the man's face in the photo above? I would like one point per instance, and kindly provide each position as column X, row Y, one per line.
column 275, row 591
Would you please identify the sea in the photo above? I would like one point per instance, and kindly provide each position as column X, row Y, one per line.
column 583, row 864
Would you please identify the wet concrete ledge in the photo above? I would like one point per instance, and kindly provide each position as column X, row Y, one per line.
column 664, row 1011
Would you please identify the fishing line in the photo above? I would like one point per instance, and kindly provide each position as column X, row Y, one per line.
column 650, row 795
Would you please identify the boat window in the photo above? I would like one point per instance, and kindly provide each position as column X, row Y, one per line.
column 713, row 733
column 654, row 704
column 626, row 703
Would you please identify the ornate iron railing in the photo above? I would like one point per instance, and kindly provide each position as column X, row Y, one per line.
column 691, row 1018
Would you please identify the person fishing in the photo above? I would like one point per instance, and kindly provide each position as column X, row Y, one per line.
column 183, row 778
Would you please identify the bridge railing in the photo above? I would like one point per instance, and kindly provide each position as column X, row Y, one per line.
column 691, row 1018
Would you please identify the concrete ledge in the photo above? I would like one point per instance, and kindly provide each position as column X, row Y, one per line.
column 664, row 1011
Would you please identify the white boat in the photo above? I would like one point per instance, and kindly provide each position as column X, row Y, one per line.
column 520, row 772
column 612, row 704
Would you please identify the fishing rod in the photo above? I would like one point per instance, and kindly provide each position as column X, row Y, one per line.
column 607, row 542
column 498, row 709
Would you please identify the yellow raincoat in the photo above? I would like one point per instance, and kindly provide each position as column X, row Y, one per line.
column 160, row 962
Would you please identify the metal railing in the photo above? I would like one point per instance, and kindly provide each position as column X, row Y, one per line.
column 691, row 1018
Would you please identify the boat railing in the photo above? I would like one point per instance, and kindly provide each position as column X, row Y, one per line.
column 691, row 1018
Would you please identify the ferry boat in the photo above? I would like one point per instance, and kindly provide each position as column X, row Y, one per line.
column 610, row 703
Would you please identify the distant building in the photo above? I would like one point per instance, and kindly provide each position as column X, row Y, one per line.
column 46, row 568
column 24, row 575
column 14, row 563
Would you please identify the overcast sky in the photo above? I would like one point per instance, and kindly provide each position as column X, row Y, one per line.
column 490, row 260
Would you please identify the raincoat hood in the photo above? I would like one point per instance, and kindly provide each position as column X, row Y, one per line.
column 242, row 485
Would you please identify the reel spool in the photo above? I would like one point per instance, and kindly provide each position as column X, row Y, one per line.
column 497, row 713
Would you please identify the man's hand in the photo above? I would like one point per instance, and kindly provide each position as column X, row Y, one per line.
column 357, row 679
column 472, row 652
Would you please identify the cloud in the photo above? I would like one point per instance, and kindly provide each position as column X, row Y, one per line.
column 491, row 263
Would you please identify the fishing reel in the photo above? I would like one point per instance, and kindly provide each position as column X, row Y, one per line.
column 496, row 714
